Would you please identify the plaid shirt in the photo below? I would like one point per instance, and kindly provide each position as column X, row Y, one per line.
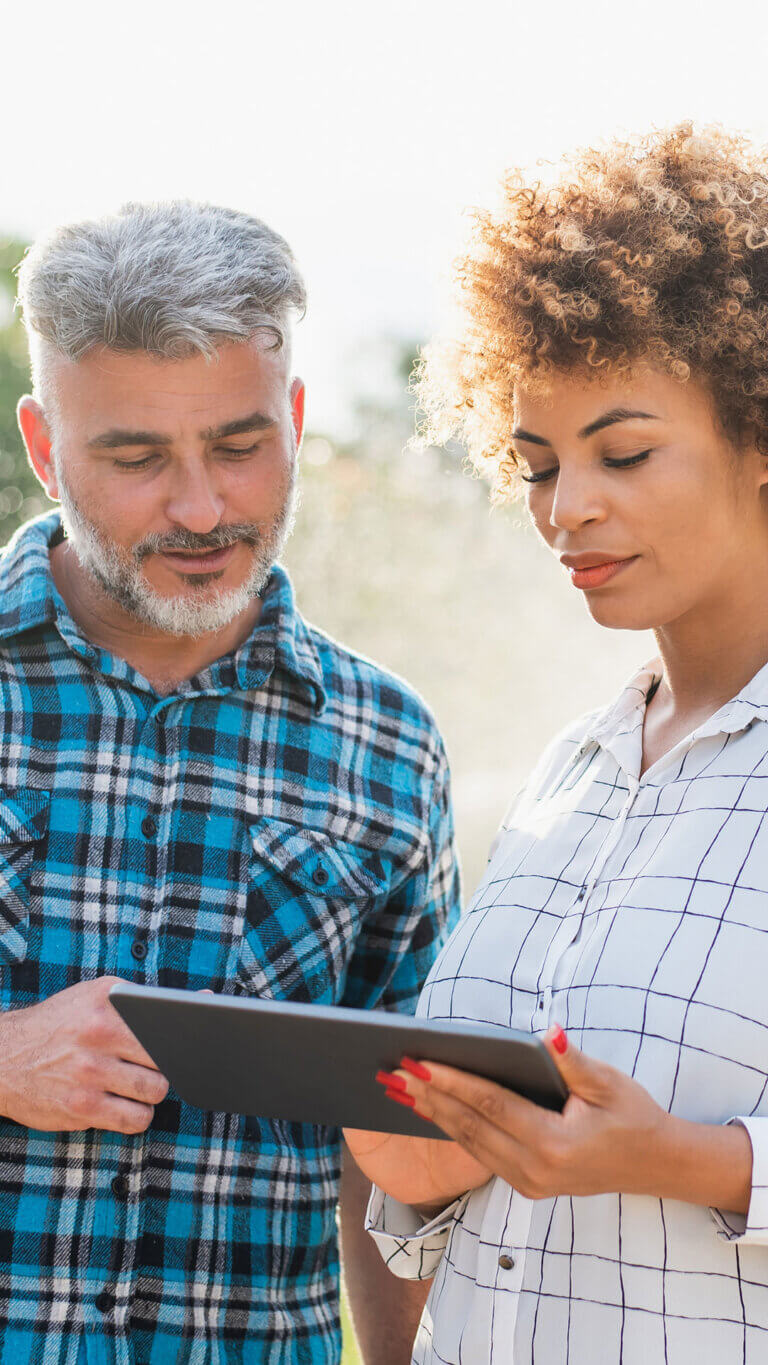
column 280, row 825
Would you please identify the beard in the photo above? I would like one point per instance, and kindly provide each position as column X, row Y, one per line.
column 204, row 608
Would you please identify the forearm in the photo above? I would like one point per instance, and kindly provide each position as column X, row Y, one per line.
column 701, row 1163
column 385, row 1310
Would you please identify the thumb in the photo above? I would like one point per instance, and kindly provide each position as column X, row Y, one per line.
column 582, row 1074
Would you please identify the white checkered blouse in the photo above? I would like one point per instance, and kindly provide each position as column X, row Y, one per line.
column 634, row 911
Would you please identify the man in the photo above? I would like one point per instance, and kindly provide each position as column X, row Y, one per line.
column 198, row 790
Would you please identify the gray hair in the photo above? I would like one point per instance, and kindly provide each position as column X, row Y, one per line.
column 172, row 279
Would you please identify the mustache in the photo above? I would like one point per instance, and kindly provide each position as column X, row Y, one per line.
column 220, row 538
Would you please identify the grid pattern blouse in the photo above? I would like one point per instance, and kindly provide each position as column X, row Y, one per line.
column 633, row 910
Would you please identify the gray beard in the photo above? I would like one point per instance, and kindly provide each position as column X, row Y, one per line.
column 204, row 608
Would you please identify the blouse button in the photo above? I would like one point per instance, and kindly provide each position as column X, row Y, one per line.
column 320, row 876
column 506, row 1263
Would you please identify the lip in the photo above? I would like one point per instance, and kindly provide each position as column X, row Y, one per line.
column 211, row 561
column 593, row 570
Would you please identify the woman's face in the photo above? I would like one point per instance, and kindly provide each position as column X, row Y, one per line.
column 635, row 488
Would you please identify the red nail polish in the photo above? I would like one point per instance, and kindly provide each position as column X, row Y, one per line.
column 394, row 1082
column 400, row 1097
column 559, row 1039
column 416, row 1069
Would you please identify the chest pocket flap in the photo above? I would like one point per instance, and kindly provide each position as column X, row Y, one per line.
column 23, row 821
column 316, row 862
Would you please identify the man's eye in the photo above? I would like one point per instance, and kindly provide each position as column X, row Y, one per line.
column 136, row 464
column 242, row 450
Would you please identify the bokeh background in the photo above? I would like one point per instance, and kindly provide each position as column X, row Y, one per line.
column 363, row 132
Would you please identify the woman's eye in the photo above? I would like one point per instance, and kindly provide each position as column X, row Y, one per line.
column 613, row 463
column 539, row 475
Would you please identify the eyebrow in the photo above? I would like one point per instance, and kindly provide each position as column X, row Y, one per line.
column 608, row 419
column 117, row 437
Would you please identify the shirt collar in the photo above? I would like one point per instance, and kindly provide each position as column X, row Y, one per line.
column 281, row 638
column 618, row 727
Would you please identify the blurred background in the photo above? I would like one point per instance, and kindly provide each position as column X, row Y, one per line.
column 363, row 133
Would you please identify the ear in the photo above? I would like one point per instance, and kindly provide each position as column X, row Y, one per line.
column 298, row 393
column 37, row 439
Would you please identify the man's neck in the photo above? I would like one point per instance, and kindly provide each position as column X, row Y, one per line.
column 164, row 660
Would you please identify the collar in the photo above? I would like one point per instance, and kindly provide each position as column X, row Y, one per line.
column 281, row 638
column 618, row 727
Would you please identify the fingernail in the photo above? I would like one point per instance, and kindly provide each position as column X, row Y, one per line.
column 416, row 1069
column 400, row 1097
column 559, row 1039
column 394, row 1082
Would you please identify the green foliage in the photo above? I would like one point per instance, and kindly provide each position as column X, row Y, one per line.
column 21, row 496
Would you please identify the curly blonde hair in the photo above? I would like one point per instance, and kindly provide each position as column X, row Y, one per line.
column 654, row 250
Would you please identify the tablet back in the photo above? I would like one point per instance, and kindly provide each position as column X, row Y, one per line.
column 316, row 1064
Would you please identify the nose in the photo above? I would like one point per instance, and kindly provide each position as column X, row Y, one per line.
column 576, row 501
column 194, row 502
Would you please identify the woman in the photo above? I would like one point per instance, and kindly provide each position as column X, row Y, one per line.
column 614, row 358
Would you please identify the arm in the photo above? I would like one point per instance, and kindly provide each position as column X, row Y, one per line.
column 611, row 1136
column 385, row 1310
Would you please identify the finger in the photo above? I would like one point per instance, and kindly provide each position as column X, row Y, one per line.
column 116, row 1115
column 126, row 1046
column 131, row 1082
column 593, row 1081
column 495, row 1148
column 508, row 1111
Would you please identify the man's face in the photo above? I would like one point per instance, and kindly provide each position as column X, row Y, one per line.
column 176, row 477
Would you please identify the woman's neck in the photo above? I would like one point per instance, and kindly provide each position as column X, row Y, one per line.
column 711, row 653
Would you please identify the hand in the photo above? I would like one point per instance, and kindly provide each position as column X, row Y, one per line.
column 611, row 1135
column 70, row 1063
column 426, row 1172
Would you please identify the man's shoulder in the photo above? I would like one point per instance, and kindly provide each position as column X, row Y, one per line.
column 379, row 696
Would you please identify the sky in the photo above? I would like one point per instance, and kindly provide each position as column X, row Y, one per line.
column 362, row 132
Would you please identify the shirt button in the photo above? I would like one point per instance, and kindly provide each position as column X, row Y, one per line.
column 104, row 1301
column 320, row 876
column 149, row 826
column 120, row 1186
column 506, row 1262
column 139, row 949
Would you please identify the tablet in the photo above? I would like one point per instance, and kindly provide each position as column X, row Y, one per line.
column 314, row 1063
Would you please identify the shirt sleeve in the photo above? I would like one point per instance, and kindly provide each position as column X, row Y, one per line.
column 411, row 1246
column 751, row 1227
column 403, row 933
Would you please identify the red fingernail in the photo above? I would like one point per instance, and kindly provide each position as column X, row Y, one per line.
column 416, row 1069
column 394, row 1082
column 400, row 1097
column 559, row 1039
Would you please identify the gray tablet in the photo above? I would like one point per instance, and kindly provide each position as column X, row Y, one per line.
column 316, row 1064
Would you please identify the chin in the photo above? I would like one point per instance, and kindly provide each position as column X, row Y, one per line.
column 621, row 615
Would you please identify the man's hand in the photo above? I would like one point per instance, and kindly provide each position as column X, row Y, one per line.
column 70, row 1063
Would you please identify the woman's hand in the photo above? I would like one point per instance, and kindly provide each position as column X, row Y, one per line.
column 426, row 1172
column 610, row 1137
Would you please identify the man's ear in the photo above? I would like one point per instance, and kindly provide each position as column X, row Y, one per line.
column 298, row 394
column 37, row 439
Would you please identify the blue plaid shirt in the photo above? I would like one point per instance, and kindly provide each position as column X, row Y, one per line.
column 280, row 826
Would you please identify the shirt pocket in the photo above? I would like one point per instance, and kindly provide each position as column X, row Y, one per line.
column 307, row 894
column 23, row 822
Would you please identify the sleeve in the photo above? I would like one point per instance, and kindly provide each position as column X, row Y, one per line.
column 750, row 1228
column 403, row 933
column 411, row 1246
